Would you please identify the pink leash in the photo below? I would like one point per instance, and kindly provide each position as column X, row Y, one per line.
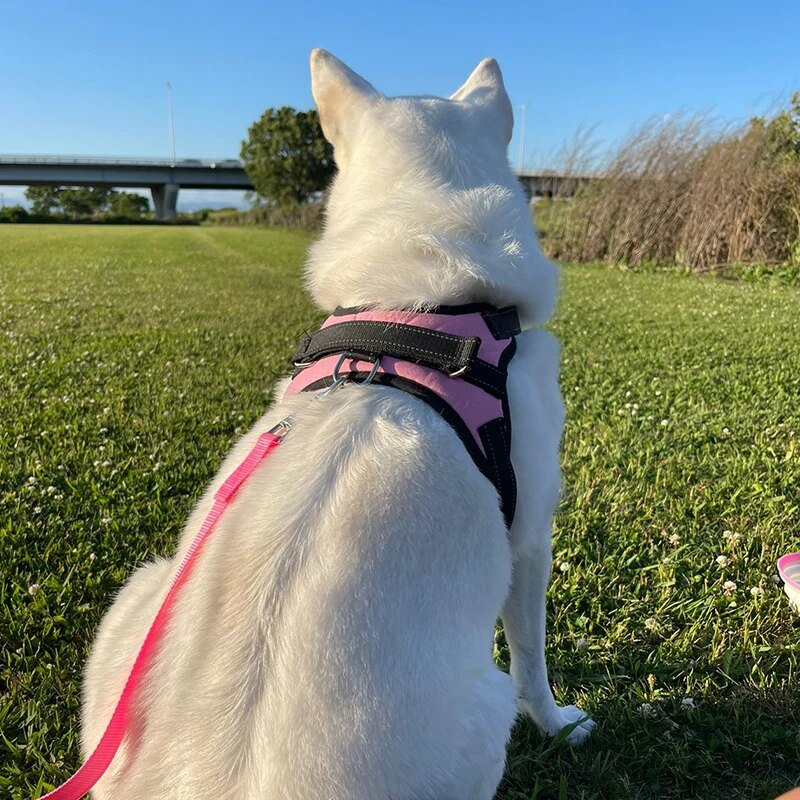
column 100, row 759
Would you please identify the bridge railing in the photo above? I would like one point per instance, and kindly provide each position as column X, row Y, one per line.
column 183, row 163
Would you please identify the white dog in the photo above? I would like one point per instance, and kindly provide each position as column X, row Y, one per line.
column 335, row 639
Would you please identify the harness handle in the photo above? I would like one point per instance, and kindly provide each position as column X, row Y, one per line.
column 446, row 352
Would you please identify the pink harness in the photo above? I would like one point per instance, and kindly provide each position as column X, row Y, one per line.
column 455, row 359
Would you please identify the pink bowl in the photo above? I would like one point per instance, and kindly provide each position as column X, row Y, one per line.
column 789, row 570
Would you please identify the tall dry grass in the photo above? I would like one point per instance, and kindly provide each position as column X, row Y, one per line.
column 682, row 191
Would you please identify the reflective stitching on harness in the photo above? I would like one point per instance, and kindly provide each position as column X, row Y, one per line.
column 448, row 337
column 484, row 384
column 501, row 373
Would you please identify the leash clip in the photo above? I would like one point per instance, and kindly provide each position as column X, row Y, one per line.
column 281, row 428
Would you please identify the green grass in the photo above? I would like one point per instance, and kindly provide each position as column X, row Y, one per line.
column 131, row 359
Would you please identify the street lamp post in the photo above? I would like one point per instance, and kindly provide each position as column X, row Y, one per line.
column 521, row 164
column 171, row 123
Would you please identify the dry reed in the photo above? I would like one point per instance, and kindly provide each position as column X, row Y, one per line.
column 682, row 191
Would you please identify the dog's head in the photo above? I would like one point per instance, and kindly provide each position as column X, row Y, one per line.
column 424, row 208
column 389, row 134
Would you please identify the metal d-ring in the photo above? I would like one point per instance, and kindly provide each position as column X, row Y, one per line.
column 374, row 371
column 339, row 379
column 285, row 425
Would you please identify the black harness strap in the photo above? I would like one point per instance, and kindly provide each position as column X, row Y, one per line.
column 442, row 351
column 445, row 352
column 503, row 323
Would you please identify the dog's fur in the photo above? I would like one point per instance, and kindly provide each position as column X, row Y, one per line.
column 335, row 640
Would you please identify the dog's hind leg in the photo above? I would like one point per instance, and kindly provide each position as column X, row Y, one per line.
column 480, row 733
column 487, row 787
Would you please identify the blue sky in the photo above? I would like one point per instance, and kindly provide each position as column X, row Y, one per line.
column 89, row 77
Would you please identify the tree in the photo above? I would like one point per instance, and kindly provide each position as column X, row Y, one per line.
column 781, row 134
column 43, row 199
column 287, row 157
column 126, row 204
column 84, row 201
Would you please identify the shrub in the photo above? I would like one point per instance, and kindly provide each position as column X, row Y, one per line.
column 307, row 217
column 14, row 214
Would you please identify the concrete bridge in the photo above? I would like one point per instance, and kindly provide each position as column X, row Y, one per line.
column 164, row 178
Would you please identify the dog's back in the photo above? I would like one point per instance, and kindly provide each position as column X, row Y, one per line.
column 335, row 640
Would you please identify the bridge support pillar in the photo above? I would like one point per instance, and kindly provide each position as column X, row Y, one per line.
column 165, row 199
column 527, row 187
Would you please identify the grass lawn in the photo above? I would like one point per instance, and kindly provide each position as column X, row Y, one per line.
column 131, row 359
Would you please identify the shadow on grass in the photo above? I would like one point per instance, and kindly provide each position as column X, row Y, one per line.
column 743, row 744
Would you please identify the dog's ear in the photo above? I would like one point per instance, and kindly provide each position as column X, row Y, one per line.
column 485, row 89
column 340, row 95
